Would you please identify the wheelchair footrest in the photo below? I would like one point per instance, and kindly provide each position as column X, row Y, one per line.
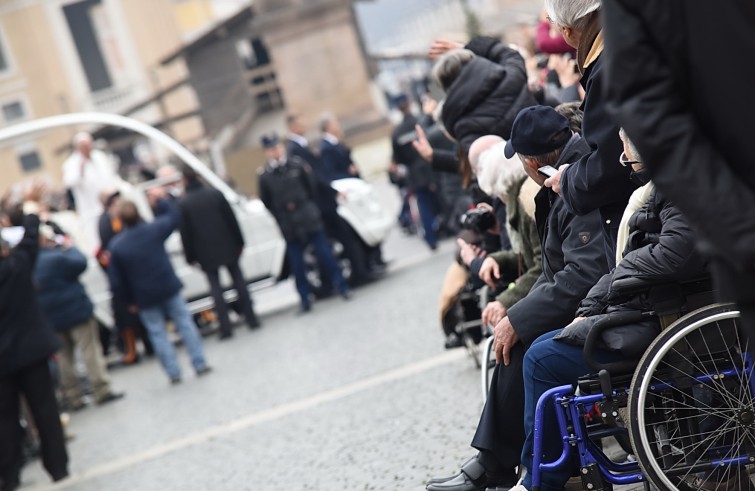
column 592, row 479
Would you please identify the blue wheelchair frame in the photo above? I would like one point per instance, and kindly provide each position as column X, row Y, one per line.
column 570, row 414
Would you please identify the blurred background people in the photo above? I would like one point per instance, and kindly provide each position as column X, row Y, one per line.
column 87, row 173
column 288, row 189
column 142, row 273
column 69, row 310
column 26, row 343
column 335, row 156
column 127, row 323
column 212, row 239
column 420, row 178
column 363, row 268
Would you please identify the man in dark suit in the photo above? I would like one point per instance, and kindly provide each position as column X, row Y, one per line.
column 288, row 189
column 212, row 238
column 335, row 156
column 327, row 200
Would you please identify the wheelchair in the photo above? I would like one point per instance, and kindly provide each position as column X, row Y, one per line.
column 683, row 414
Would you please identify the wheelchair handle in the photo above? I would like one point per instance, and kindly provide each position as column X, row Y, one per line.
column 595, row 334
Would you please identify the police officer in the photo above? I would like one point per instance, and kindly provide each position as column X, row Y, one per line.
column 287, row 187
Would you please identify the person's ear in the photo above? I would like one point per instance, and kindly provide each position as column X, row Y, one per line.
column 531, row 163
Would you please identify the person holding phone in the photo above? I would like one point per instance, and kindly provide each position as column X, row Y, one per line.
column 573, row 259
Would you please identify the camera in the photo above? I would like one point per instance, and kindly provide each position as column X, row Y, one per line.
column 478, row 220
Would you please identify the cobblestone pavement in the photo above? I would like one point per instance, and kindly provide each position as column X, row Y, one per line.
column 357, row 395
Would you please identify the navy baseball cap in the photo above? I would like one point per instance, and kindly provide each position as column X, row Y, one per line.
column 537, row 130
column 269, row 141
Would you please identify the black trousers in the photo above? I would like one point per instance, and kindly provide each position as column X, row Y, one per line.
column 500, row 432
column 35, row 384
column 239, row 284
column 337, row 228
column 738, row 286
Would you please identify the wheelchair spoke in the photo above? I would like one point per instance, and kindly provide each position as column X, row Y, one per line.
column 703, row 453
column 696, row 446
column 714, row 383
column 705, row 409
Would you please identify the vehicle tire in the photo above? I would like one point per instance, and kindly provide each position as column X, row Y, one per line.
column 691, row 404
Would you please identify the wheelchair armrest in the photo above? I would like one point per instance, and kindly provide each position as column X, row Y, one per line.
column 628, row 286
column 611, row 320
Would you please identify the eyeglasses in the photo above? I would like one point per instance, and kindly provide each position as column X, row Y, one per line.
column 624, row 160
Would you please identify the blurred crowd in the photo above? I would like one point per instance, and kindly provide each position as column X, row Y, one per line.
column 559, row 172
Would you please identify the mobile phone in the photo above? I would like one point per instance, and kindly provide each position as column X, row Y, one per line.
column 548, row 171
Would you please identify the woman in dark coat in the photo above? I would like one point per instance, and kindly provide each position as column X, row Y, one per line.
column 486, row 87
column 26, row 343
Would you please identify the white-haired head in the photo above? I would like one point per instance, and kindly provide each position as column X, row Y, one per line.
column 571, row 13
column 496, row 174
column 479, row 146
column 82, row 137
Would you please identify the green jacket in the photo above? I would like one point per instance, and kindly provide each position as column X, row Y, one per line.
column 524, row 260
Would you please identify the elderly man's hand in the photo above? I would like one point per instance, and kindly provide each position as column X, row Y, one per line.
column 504, row 338
column 441, row 47
column 493, row 313
column 421, row 145
column 555, row 181
column 490, row 272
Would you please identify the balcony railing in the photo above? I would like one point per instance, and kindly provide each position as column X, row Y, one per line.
column 117, row 99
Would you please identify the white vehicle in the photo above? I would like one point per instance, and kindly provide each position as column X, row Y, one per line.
column 264, row 254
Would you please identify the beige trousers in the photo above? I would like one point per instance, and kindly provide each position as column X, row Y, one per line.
column 85, row 337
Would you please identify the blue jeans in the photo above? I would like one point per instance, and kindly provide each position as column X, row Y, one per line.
column 154, row 318
column 428, row 214
column 548, row 364
column 295, row 251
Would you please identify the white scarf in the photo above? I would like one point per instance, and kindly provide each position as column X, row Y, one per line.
column 638, row 198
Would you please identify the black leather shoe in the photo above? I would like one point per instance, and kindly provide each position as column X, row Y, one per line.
column 438, row 480
column 471, row 478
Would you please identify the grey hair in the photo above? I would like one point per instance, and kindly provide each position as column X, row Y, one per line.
column 625, row 138
column 325, row 119
column 571, row 13
column 449, row 66
column 550, row 158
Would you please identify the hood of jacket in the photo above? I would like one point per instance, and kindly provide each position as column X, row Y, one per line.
column 484, row 100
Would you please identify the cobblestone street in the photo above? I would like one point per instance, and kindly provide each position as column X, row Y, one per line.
column 357, row 395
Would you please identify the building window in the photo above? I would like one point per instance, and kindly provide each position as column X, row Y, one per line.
column 30, row 161
column 13, row 112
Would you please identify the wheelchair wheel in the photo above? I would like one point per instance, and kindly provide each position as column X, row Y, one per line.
column 691, row 408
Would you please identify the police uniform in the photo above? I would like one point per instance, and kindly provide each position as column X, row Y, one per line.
column 287, row 187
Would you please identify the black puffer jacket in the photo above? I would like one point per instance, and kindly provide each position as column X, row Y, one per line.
column 660, row 249
column 26, row 337
column 489, row 92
